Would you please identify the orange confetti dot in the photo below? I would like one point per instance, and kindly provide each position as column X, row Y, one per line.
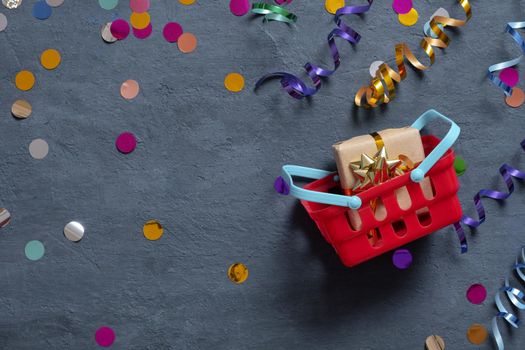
column 139, row 20
column 50, row 59
column 25, row 80
column 477, row 334
column 187, row 43
column 152, row 230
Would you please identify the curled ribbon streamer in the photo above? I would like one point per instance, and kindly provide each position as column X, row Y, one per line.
column 273, row 12
column 294, row 85
column 511, row 29
column 507, row 172
column 516, row 297
column 385, row 76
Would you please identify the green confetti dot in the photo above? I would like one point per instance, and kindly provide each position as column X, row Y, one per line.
column 108, row 4
column 34, row 250
column 460, row 166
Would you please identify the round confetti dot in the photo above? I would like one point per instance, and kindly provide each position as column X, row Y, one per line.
column 402, row 259
column 38, row 149
column 333, row 5
column 55, row 3
column 108, row 4
column 280, row 2
column 281, row 186
column 187, row 43
column 172, row 32
column 516, row 98
column 477, row 334
column 402, row 6
column 50, row 59
column 409, row 19
column 238, row 273
column 11, row 4
column 440, row 12
column 434, row 342
column 234, row 82
column 126, row 142
column 143, row 33
column 239, row 7
column 152, row 230
column 129, row 89
column 105, row 33
column 510, row 76
column 139, row 6
column 3, row 22
column 34, row 250
column 428, row 32
column 5, row 217
column 105, row 336
column 374, row 66
column 119, row 29
column 41, row 10
column 460, row 166
column 74, row 231
column 187, row 2
column 476, row 294
column 25, row 80
column 21, row 109
column 139, row 20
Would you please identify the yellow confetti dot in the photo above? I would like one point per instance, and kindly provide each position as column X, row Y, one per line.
column 152, row 230
column 477, row 334
column 333, row 5
column 234, row 82
column 409, row 19
column 187, row 2
column 25, row 80
column 238, row 273
column 140, row 20
column 50, row 59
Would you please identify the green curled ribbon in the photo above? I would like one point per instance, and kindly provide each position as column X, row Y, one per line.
column 273, row 12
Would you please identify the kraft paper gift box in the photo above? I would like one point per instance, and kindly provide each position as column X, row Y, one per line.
column 405, row 141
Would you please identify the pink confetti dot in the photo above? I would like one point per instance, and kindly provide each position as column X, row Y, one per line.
column 119, row 29
column 239, row 7
column 510, row 76
column 402, row 6
column 143, row 33
column 172, row 31
column 280, row 2
column 476, row 294
column 105, row 336
column 139, row 6
column 126, row 142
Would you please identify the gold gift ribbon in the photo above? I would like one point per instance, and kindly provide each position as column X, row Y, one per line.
column 385, row 76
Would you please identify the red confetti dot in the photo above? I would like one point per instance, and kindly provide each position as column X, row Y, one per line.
column 105, row 336
column 172, row 31
column 510, row 76
column 143, row 33
column 119, row 29
column 126, row 142
column 239, row 7
column 476, row 293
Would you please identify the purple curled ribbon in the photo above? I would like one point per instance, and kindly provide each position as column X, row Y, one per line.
column 297, row 88
column 507, row 172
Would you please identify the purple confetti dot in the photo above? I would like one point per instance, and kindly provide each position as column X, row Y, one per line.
column 510, row 76
column 126, row 142
column 402, row 259
column 281, row 186
column 476, row 294
column 402, row 6
column 119, row 29
column 105, row 336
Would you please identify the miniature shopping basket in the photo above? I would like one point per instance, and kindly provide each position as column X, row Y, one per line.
column 425, row 215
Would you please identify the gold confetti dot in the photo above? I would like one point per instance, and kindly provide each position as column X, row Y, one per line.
column 434, row 342
column 238, row 273
column 408, row 19
column 187, row 2
column 25, row 80
column 50, row 59
column 21, row 109
column 477, row 334
column 153, row 230
column 140, row 20
column 187, row 43
column 333, row 5
column 234, row 82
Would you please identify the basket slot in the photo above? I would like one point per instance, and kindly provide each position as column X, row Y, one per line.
column 367, row 216
column 390, row 202
column 424, row 217
column 430, row 192
column 374, row 238
column 400, row 228
column 403, row 198
column 379, row 209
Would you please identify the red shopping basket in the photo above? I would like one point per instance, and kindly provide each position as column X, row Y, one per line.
column 425, row 215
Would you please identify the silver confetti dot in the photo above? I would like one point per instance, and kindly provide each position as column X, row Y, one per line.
column 105, row 33
column 74, row 231
column 38, row 149
column 12, row 4
column 5, row 217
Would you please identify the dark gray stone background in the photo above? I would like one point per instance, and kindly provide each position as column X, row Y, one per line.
column 205, row 166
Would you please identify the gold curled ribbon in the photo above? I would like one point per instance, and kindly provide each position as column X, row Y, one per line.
column 375, row 93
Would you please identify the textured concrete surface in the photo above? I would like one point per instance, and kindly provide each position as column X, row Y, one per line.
column 204, row 168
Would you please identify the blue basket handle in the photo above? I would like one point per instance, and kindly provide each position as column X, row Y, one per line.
column 354, row 202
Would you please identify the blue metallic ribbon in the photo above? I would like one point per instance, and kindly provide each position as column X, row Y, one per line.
column 507, row 172
column 511, row 29
column 516, row 297
column 294, row 85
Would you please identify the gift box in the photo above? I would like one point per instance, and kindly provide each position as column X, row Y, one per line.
column 402, row 143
